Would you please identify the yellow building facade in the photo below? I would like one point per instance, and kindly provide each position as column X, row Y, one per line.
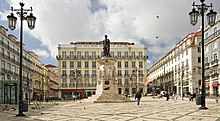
column 77, row 67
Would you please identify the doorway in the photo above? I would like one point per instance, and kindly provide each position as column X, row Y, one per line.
column 10, row 93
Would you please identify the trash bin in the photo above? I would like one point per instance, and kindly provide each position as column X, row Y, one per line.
column 199, row 99
column 25, row 106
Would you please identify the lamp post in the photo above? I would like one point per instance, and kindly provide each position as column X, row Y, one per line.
column 182, row 85
column 12, row 25
column 135, row 71
column 164, row 84
column 76, row 72
column 211, row 16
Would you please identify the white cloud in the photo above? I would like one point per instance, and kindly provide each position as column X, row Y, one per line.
column 123, row 20
column 42, row 53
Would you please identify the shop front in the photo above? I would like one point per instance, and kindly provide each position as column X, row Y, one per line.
column 71, row 94
column 8, row 92
column 215, row 86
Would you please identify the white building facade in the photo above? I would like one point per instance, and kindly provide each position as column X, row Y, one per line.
column 212, row 53
column 179, row 71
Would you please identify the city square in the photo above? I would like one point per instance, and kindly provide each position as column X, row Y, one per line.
column 109, row 60
column 150, row 109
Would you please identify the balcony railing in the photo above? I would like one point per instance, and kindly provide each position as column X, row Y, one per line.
column 212, row 36
column 119, row 75
column 214, row 75
column 93, row 75
column 206, row 65
column 126, row 84
column 72, row 85
column 119, row 84
column 64, row 84
column 207, row 77
column 214, row 62
column 126, row 75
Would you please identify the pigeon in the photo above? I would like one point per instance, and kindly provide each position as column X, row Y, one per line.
column 156, row 37
column 158, row 16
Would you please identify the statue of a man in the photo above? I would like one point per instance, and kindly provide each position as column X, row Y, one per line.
column 106, row 46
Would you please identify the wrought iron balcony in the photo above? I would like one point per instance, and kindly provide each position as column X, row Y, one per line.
column 214, row 75
column 64, row 84
column 206, row 65
column 214, row 62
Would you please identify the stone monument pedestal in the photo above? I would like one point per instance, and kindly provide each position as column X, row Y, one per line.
column 107, row 88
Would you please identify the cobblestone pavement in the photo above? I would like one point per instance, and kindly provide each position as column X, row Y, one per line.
column 149, row 110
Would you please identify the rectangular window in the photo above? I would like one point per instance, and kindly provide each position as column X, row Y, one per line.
column 94, row 82
column 119, row 82
column 86, row 73
column 215, row 56
column 186, row 51
column 140, row 64
column 119, row 73
column 78, row 54
column 199, row 49
column 133, row 54
column 119, row 54
column 86, row 54
column 71, row 64
column 126, row 54
column 119, row 64
column 63, row 72
column 64, row 54
column 86, row 64
column 199, row 59
column 126, row 73
column 78, row 64
column 187, row 62
column 71, row 54
column 64, row 64
column 93, row 54
column 93, row 64
column 133, row 64
column 126, row 64
column 140, row 54
column 112, row 53
column 93, row 73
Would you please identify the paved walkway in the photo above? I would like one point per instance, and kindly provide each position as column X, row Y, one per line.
column 149, row 110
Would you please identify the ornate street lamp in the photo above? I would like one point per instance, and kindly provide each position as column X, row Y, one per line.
column 211, row 20
column 12, row 25
column 135, row 71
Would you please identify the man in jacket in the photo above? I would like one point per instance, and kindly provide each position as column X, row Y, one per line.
column 138, row 97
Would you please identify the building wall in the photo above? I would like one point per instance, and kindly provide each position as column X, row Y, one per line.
column 177, row 71
column 86, row 81
column 212, row 51
column 34, row 75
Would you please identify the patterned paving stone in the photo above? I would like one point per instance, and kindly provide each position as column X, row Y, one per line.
column 149, row 110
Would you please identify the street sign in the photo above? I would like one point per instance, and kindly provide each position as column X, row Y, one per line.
column 25, row 86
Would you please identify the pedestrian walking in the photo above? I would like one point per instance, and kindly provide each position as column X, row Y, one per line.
column 168, row 96
column 138, row 97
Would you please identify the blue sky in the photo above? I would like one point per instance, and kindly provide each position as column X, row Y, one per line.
column 89, row 20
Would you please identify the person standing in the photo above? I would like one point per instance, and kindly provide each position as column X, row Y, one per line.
column 138, row 97
column 168, row 96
